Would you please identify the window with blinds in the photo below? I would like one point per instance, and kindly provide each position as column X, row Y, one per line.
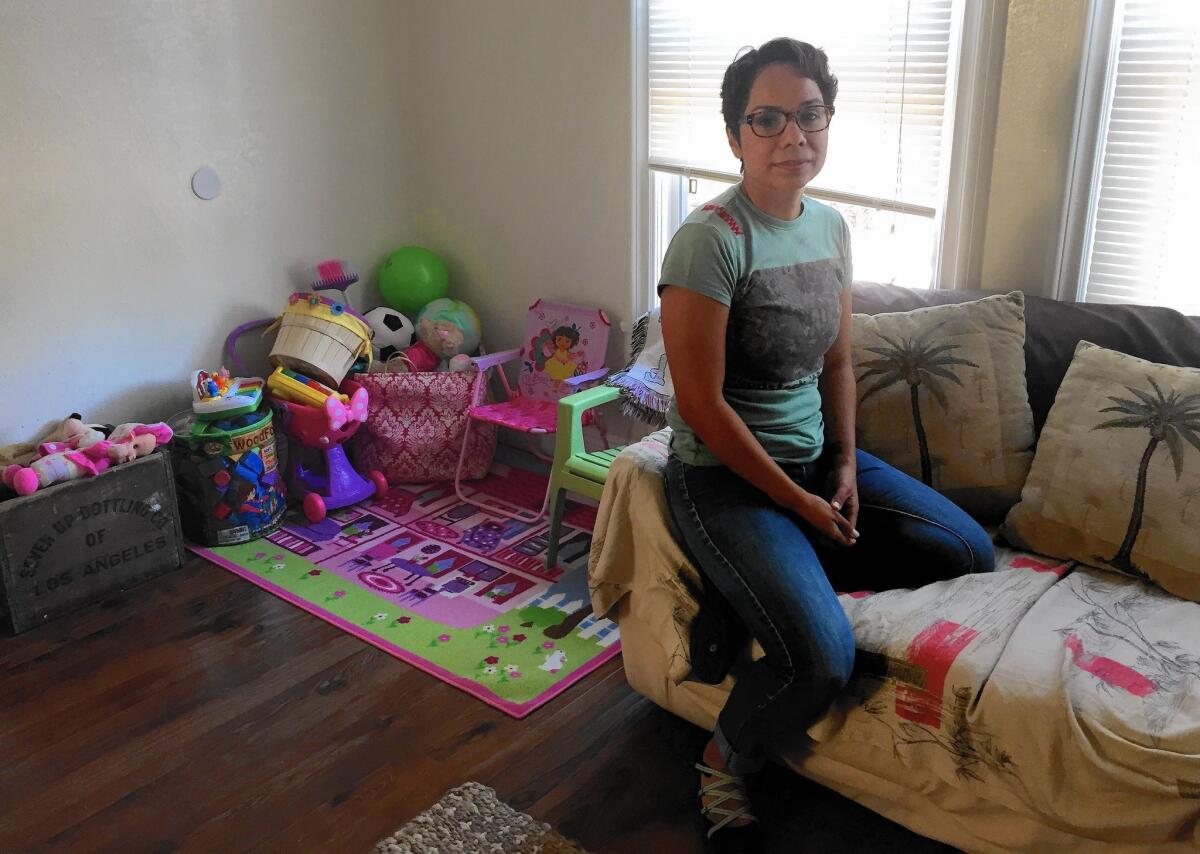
column 1142, row 223
column 885, row 167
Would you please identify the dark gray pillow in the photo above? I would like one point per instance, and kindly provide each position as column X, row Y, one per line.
column 1053, row 328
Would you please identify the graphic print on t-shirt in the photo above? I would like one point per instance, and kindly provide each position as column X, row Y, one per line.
column 782, row 322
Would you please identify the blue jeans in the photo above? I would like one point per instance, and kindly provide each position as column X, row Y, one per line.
column 779, row 577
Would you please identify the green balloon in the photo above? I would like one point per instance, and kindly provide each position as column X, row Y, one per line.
column 412, row 277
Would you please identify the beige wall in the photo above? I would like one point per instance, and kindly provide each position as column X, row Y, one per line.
column 115, row 281
column 524, row 148
column 1032, row 153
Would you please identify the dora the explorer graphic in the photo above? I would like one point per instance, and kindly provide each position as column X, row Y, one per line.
column 555, row 353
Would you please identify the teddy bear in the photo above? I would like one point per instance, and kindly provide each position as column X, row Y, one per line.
column 447, row 331
column 84, row 452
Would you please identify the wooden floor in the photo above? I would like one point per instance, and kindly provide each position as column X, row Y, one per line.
column 200, row 713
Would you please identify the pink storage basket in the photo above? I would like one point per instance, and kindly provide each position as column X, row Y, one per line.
column 415, row 426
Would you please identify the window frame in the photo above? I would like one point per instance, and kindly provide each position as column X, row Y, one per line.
column 1095, row 94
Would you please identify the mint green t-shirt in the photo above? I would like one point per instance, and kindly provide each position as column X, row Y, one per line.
column 782, row 281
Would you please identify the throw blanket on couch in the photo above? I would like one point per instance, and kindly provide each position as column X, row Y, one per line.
column 1042, row 706
column 645, row 383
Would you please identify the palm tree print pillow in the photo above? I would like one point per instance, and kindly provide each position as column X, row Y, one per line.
column 1116, row 480
column 941, row 396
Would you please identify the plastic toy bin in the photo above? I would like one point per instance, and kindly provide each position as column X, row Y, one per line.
column 227, row 477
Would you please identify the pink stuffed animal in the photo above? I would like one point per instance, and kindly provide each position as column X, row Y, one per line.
column 84, row 453
column 71, row 435
column 133, row 440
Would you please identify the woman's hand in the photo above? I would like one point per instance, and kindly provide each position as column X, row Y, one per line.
column 822, row 516
column 843, row 490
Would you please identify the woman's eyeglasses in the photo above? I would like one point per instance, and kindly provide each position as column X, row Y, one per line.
column 771, row 122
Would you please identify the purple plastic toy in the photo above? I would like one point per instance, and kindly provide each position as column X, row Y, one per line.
column 317, row 465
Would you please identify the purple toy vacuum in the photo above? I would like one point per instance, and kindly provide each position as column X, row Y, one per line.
column 317, row 466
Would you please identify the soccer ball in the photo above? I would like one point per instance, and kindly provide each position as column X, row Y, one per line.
column 393, row 331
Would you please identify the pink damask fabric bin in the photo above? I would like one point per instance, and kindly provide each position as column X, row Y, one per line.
column 415, row 425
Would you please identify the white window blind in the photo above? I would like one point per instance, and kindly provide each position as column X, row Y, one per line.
column 891, row 59
column 1142, row 223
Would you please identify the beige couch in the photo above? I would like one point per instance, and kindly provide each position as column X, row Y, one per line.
column 1046, row 706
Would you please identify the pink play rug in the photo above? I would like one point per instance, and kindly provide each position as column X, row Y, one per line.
column 449, row 587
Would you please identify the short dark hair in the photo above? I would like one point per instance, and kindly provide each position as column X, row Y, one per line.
column 808, row 61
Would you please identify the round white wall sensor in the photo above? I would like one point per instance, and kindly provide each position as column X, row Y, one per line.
column 205, row 183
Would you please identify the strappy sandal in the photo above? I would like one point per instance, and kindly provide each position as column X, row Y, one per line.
column 730, row 803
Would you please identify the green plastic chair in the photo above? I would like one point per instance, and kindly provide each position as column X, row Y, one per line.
column 574, row 467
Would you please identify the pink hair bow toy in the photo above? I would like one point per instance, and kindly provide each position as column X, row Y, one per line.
column 340, row 413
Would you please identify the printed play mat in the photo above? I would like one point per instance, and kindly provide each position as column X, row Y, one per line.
column 450, row 587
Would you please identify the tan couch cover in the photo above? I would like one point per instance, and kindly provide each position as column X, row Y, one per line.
column 1042, row 707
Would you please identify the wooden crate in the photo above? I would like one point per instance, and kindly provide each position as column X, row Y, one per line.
column 74, row 543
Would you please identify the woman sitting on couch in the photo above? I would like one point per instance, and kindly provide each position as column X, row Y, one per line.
column 764, row 483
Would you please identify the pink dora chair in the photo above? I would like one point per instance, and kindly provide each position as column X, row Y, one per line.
column 563, row 352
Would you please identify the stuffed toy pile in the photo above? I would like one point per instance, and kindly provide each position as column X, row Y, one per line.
column 74, row 450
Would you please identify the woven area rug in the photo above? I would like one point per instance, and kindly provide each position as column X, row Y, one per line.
column 447, row 586
column 469, row 819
